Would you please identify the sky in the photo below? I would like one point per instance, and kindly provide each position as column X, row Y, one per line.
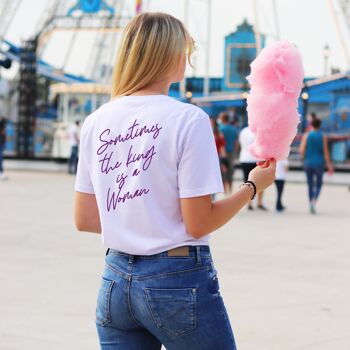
column 306, row 23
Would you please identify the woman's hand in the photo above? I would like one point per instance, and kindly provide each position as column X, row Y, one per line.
column 263, row 175
column 330, row 168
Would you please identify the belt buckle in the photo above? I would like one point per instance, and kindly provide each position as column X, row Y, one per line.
column 179, row 251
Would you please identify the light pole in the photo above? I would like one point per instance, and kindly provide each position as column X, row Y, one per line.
column 188, row 96
column 326, row 54
column 305, row 98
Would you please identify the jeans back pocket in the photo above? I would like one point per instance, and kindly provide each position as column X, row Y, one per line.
column 103, row 315
column 173, row 310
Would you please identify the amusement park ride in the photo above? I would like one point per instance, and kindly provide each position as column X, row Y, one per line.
column 106, row 20
column 39, row 130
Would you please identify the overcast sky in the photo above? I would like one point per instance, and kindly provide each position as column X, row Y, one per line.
column 307, row 23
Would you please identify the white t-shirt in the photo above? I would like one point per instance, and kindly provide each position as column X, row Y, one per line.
column 281, row 172
column 139, row 155
column 246, row 138
column 73, row 135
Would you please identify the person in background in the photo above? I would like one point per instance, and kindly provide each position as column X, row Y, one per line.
column 2, row 147
column 314, row 151
column 73, row 134
column 281, row 173
column 248, row 161
column 230, row 132
column 221, row 149
column 231, row 112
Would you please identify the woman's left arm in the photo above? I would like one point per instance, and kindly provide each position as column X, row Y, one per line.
column 86, row 214
column 302, row 147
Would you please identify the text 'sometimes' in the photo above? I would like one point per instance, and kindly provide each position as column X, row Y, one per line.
column 134, row 163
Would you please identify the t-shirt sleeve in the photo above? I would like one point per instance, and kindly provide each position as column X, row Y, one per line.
column 199, row 169
column 83, row 181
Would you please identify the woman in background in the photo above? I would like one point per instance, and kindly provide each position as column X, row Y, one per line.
column 314, row 152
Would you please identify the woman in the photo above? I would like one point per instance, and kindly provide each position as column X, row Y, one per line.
column 314, row 152
column 147, row 169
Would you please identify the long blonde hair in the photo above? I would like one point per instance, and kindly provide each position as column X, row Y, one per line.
column 151, row 46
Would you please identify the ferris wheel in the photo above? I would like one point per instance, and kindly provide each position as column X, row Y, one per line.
column 8, row 10
column 104, row 19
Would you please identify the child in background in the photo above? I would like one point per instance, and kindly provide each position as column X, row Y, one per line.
column 281, row 173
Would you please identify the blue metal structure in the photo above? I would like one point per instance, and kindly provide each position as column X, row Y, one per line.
column 330, row 98
column 91, row 7
column 240, row 51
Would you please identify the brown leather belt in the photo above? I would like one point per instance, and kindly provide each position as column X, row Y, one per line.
column 179, row 251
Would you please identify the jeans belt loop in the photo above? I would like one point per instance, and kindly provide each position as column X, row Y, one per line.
column 198, row 254
column 131, row 259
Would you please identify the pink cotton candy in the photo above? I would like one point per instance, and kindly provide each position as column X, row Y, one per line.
column 276, row 80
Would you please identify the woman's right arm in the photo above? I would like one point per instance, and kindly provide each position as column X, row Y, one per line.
column 202, row 216
column 86, row 215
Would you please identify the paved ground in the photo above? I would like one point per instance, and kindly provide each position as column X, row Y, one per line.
column 285, row 278
column 339, row 178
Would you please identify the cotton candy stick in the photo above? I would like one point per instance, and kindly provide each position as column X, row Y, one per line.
column 276, row 80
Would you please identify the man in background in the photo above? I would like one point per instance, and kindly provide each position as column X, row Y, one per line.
column 73, row 135
column 2, row 147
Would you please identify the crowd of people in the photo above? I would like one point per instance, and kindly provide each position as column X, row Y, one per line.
column 233, row 143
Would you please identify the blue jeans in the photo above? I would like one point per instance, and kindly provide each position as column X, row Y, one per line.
column 314, row 175
column 73, row 160
column 147, row 301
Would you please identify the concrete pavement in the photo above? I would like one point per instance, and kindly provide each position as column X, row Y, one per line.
column 338, row 178
column 284, row 277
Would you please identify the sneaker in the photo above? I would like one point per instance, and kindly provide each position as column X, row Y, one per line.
column 280, row 209
column 312, row 208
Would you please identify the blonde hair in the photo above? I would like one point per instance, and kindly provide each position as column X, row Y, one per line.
column 151, row 46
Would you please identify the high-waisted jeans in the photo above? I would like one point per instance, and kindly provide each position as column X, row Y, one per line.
column 147, row 301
